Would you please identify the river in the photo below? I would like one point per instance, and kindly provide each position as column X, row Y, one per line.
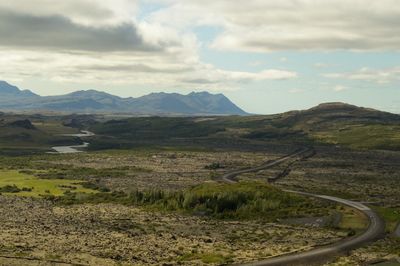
column 73, row 148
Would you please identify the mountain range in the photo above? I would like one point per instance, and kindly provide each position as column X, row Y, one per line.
column 92, row 101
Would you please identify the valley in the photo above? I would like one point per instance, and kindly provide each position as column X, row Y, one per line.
column 148, row 190
column 200, row 133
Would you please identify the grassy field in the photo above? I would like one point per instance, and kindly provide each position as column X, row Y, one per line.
column 32, row 186
column 353, row 220
column 385, row 137
column 54, row 127
column 391, row 217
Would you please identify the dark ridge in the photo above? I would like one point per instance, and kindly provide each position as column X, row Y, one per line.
column 26, row 124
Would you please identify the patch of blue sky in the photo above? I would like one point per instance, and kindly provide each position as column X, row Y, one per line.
column 146, row 8
column 311, row 62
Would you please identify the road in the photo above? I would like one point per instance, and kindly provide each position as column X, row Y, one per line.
column 230, row 177
column 319, row 255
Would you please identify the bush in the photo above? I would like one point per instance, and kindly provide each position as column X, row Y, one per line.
column 93, row 186
column 213, row 166
column 245, row 200
column 10, row 189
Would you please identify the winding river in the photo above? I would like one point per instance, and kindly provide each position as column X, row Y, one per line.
column 73, row 148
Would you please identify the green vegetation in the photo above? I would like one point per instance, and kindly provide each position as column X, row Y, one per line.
column 21, row 184
column 213, row 166
column 388, row 246
column 209, row 258
column 385, row 137
column 156, row 131
column 337, row 124
column 93, row 186
column 21, row 135
column 244, row 200
column 68, row 172
column 278, row 133
column 157, row 153
column 155, row 128
column 332, row 191
column 13, row 189
column 391, row 217
column 353, row 220
column 148, row 131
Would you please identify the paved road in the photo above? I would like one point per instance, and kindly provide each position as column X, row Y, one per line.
column 230, row 177
column 319, row 255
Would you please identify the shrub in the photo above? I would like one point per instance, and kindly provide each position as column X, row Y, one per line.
column 244, row 200
column 213, row 166
column 10, row 189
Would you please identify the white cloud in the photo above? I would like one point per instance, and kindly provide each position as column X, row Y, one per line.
column 149, row 70
column 380, row 76
column 264, row 25
column 339, row 88
column 103, row 42
column 85, row 12
column 211, row 75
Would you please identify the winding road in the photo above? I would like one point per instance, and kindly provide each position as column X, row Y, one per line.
column 318, row 255
column 230, row 177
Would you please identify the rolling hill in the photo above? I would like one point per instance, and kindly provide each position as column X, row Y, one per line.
column 336, row 124
column 331, row 123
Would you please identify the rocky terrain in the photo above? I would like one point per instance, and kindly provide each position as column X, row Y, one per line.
column 158, row 169
column 36, row 232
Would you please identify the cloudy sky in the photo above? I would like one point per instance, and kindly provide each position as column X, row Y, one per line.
column 268, row 56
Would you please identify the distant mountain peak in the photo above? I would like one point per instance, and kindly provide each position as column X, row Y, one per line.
column 7, row 88
column 86, row 101
column 89, row 92
column 200, row 93
column 204, row 93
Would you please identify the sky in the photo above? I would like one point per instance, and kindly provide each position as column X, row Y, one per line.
column 267, row 56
